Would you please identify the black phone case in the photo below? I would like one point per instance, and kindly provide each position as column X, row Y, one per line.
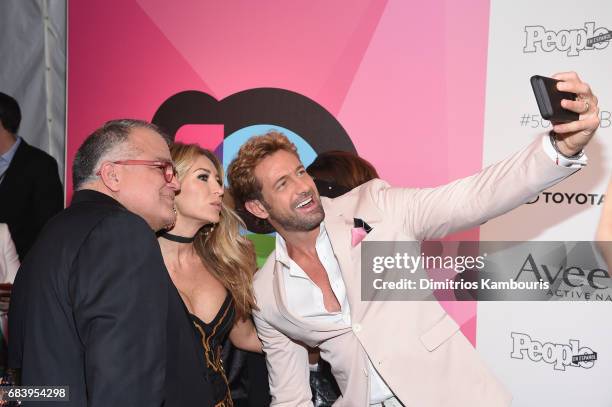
column 549, row 100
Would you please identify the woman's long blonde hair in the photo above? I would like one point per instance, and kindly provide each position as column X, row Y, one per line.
column 227, row 254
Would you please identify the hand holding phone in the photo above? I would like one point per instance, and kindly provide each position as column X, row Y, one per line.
column 549, row 100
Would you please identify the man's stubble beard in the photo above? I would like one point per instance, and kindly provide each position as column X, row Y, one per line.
column 295, row 223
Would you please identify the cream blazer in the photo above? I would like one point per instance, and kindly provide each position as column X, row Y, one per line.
column 415, row 346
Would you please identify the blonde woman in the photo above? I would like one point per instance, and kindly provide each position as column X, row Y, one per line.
column 210, row 263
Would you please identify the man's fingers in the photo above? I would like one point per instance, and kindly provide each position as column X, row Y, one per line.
column 572, row 127
column 589, row 124
column 579, row 106
column 567, row 76
column 580, row 88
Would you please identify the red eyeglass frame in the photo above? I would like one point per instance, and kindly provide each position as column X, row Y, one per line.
column 164, row 165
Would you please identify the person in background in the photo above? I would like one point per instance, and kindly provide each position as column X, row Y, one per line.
column 9, row 260
column 337, row 172
column 30, row 186
column 210, row 264
column 9, row 263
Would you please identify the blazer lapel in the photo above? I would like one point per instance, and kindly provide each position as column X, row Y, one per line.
column 339, row 221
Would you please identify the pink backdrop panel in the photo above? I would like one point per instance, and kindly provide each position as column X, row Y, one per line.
column 208, row 136
column 120, row 65
column 406, row 79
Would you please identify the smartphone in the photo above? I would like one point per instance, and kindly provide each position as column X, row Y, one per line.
column 549, row 100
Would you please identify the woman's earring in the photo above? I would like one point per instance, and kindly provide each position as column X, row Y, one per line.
column 171, row 224
column 209, row 231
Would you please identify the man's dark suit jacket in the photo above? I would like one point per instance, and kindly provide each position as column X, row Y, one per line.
column 93, row 308
column 31, row 193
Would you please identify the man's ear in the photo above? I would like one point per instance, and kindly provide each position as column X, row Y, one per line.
column 257, row 208
column 109, row 176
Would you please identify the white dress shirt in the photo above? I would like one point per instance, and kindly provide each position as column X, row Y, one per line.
column 7, row 157
column 305, row 299
column 579, row 161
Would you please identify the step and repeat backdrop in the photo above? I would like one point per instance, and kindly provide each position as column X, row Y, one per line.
column 532, row 346
column 428, row 92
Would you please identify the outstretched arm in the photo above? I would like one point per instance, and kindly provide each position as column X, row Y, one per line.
column 434, row 212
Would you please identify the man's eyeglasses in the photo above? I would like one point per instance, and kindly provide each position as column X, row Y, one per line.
column 167, row 167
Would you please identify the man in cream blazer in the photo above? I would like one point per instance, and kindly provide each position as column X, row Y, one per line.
column 385, row 353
